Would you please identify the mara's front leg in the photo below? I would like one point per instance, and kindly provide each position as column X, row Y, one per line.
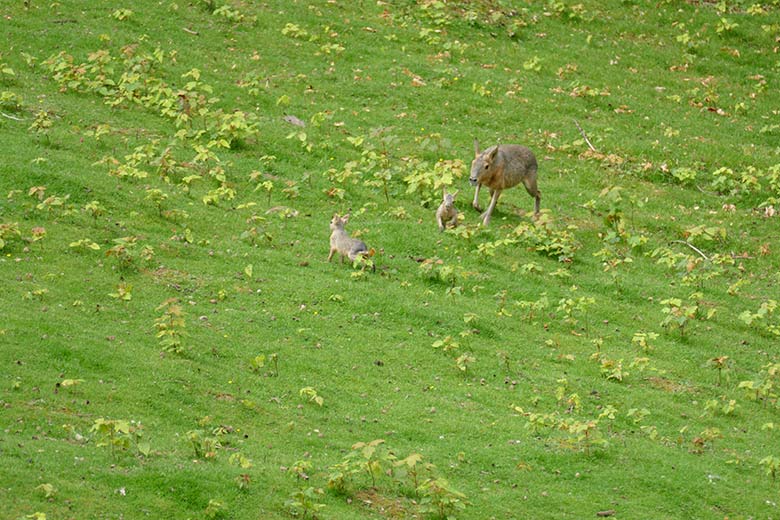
column 476, row 198
column 494, row 194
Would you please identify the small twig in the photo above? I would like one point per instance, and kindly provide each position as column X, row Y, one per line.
column 190, row 31
column 691, row 246
column 582, row 133
column 9, row 116
column 705, row 191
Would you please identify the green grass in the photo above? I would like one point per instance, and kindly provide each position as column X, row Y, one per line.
column 668, row 93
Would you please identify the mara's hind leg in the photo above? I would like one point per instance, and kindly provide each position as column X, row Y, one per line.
column 533, row 190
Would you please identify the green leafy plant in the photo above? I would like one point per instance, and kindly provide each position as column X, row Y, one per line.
column 48, row 490
column 258, row 363
column 765, row 387
column 612, row 369
column 762, row 317
column 256, row 230
column 171, row 326
column 643, row 340
column 95, row 209
column 9, row 232
column 463, row 361
column 723, row 364
column 680, row 313
column 412, row 468
column 684, row 175
column 120, row 435
column 232, row 14
column 311, row 395
column 122, row 14
column 435, row 269
column 204, row 445
column 240, row 460
column 772, row 466
column 573, row 307
column 583, row 434
column 446, row 344
column 545, row 237
column 11, row 101
column 158, row 198
column 720, row 406
column 725, row 26
column 305, row 502
column 428, row 182
column 371, row 458
column 705, row 440
column 42, row 123
column 215, row 509
column 124, row 292
column 36, row 516
column 52, row 203
column 6, row 71
column 705, row 233
column 128, row 253
column 268, row 187
column 439, row 498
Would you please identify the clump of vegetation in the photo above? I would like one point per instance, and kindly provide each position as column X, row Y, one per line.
column 171, row 327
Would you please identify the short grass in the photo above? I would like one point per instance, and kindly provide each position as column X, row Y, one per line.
column 169, row 320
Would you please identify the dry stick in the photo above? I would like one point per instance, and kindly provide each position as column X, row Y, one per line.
column 190, row 31
column 691, row 246
column 705, row 191
column 9, row 116
column 582, row 132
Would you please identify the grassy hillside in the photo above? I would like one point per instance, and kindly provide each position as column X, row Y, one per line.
column 175, row 343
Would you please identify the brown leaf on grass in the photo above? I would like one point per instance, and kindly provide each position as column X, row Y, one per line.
column 388, row 507
column 417, row 81
column 667, row 385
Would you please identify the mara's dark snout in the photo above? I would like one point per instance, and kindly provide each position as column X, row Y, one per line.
column 473, row 181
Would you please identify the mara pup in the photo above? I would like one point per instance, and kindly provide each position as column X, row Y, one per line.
column 447, row 212
column 345, row 245
column 502, row 167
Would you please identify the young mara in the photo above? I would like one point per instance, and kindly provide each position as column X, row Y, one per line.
column 343, row 244
column 447, row 212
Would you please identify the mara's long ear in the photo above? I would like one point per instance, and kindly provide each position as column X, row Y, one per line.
column 493, row 153
column 345, row 218
column 476, row 148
